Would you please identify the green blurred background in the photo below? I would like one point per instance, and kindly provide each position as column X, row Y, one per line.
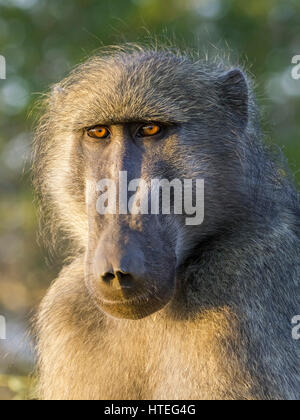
column 43, row 39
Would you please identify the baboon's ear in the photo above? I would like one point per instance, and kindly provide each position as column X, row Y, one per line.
column 234, row 95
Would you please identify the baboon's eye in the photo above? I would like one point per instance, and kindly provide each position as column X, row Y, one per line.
column 98, row 132
column 149, row 130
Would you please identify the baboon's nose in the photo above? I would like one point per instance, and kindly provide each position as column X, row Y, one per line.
column 119, row 270
column 119, row 280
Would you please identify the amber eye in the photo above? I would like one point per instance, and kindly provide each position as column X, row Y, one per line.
column 99, row 132
column 149, row 130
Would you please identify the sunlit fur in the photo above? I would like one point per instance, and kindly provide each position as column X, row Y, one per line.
column 227, row 332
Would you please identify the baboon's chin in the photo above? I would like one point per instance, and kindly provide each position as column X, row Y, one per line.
column 137, row 308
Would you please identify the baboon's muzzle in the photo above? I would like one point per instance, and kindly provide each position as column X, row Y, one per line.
column 133, row 276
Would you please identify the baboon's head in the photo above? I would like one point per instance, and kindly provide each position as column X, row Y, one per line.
column 118, row 126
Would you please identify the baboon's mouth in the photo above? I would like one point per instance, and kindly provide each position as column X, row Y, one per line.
column 127, row 301
column 137, row 307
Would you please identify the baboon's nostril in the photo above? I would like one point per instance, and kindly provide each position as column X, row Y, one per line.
column 108, row 278
column 120, row 278
column 121, row 275
column 125, row 279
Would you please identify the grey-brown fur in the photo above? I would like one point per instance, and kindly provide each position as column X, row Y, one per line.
column 226, row 333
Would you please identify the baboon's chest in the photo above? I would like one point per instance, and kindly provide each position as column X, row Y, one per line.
column 184, row 363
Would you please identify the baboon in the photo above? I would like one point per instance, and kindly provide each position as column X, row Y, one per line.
column 150, row 307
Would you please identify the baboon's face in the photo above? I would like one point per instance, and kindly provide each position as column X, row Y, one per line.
column 131, row 262
column 149, row 117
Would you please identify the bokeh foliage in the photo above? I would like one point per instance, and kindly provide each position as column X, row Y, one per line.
column 43, row 39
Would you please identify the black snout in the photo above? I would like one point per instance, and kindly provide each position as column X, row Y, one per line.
column 119, row 280
column 132, row 275
column 120, row 269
